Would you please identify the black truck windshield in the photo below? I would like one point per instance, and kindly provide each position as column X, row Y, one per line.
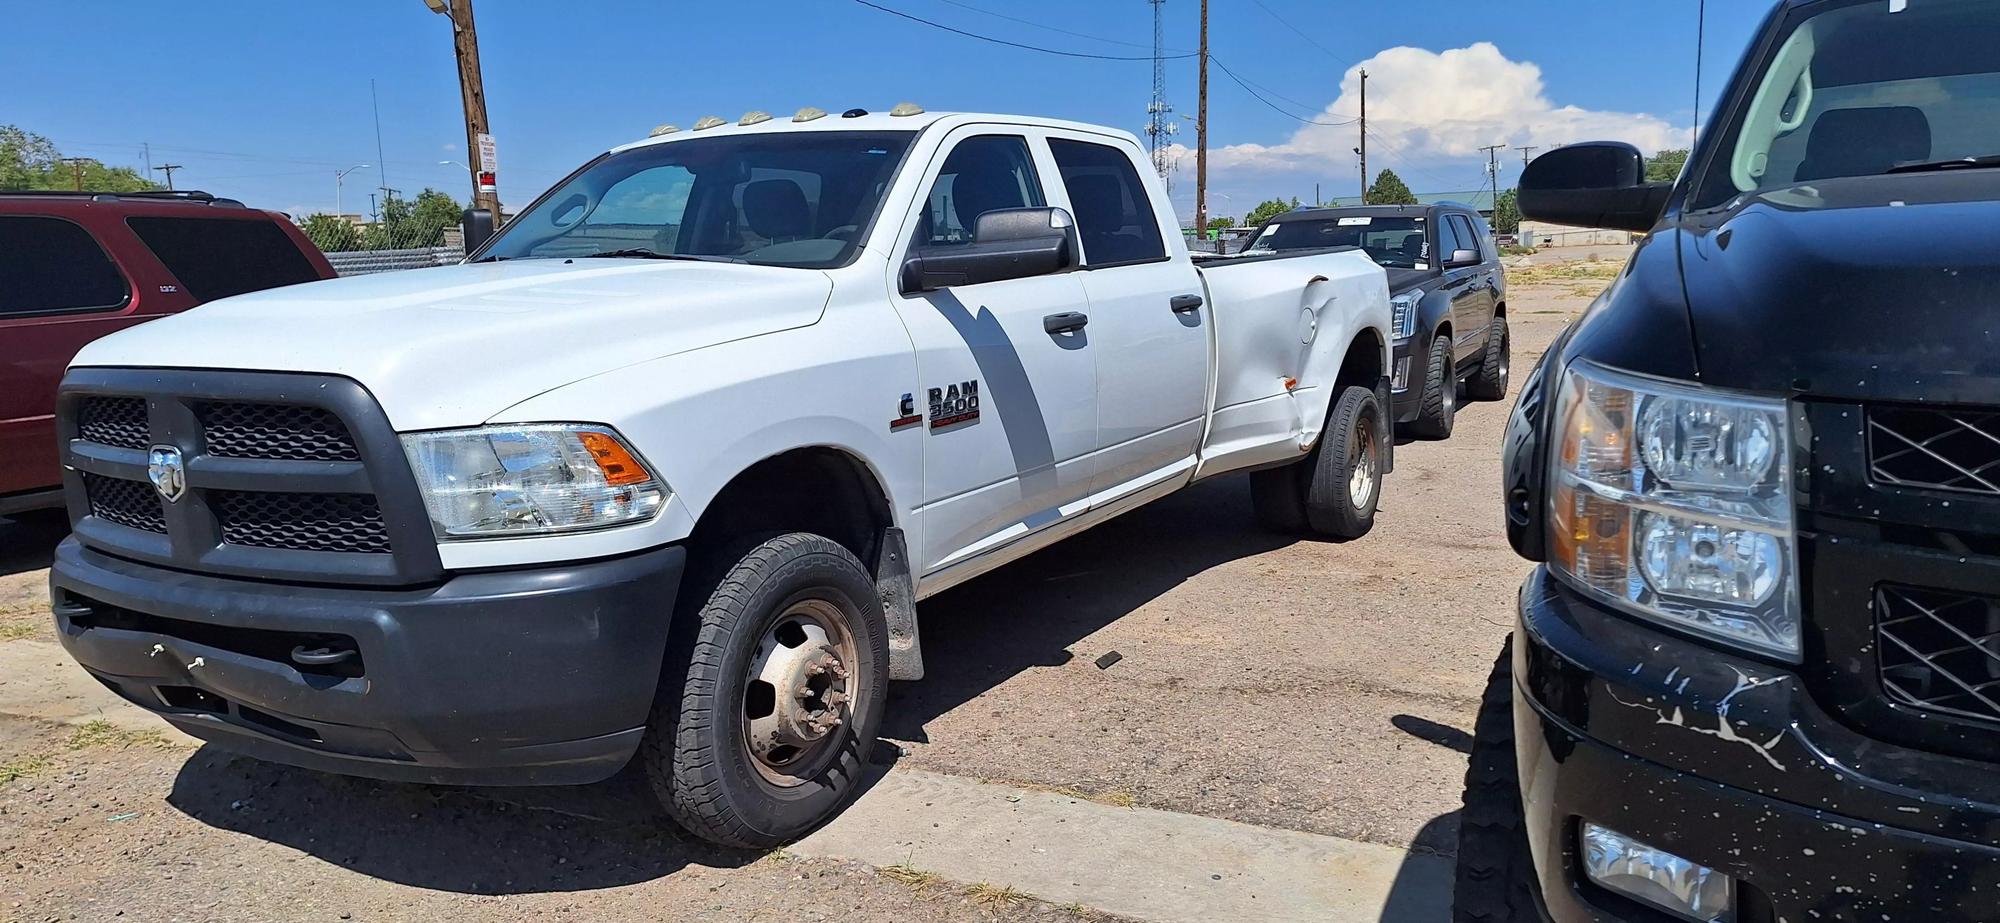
column 1863, row 89
column 1392, row 241
column 788, row 199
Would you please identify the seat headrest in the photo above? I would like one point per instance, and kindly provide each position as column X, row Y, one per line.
column 777, row 209
column 1863, row 142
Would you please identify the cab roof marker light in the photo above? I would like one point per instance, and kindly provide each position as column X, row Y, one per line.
column 707, row 122
column 753, row 117
column 662, row 130
column 808, row 114
column 903, row 109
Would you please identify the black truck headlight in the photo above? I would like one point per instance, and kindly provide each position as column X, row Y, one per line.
column 1674, row 502
column 1403, row 315
column 509, row 481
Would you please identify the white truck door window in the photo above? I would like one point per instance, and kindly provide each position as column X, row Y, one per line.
column 1021, row 460
column 1152, row 352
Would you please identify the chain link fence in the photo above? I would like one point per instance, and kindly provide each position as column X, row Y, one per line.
column 401, row 234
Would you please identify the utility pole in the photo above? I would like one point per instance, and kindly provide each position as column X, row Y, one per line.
column 1525, row 151
column 472, row 90
column 75, row 170
column 1363, row 149
column 1201, row 137
column 168, row 169
column 1493, row 170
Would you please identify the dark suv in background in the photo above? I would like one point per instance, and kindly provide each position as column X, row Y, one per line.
column 76, row 266
column 1446, row 285
column 1756, row 676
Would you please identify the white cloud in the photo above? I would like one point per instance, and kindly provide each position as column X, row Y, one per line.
column 1428, row 114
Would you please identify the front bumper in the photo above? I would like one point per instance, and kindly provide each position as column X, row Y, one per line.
column 1408, row 364
column 518, row 677
column 1728, row 762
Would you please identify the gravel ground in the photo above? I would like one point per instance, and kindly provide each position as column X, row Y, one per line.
column 1300, row 684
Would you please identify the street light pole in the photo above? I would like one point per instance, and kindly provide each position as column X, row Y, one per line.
column 472, row 90
column 338, row 177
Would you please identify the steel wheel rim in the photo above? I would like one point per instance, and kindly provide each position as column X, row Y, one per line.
column 800, row 692
column 1361, row 467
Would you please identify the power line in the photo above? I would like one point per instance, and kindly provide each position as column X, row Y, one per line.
column 1002, row 41
column 1274, row 106
column 1030, row 22
column 1302, row 34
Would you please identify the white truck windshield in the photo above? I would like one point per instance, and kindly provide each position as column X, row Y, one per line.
column 786, row 199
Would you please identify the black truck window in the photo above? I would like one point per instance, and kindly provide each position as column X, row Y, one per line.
column 219, row 257
column 50, row 265
column 1113, row 214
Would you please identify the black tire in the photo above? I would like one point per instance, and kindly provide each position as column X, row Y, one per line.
column 697, row 750
column 1279, row 497
column 1490, row 382
column 1437, row 407
column 1495, row 882
column 1334, row 505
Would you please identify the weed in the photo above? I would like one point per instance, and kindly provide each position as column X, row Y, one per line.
column 994, row 897
column 101, row 733
column 16, row 632
column 22, row 768
column 916, row 879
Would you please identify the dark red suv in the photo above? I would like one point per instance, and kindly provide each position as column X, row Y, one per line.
column 76, row 266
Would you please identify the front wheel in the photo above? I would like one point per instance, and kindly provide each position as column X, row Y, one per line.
column 771, row 694
column 1495, row 878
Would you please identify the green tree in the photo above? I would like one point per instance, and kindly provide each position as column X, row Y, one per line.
column 1389, row 189
column 408, row 223
column 30, row 161
column 1666, row 166
column 1507, row 213
column 1269, row 209
column 331, row 233
column 1221, row 221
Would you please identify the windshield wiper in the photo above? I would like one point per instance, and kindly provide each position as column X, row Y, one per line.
column 651, row 254
column 1962, row 163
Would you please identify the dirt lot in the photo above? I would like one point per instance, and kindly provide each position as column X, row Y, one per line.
column 1306, row 685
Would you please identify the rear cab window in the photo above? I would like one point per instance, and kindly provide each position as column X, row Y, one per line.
column 1395, row 241
column 219, row 257
column 1114, row 216
column 52, row 265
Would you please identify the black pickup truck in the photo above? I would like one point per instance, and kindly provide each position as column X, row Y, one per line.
column 1756, row 676
column 1446, row 286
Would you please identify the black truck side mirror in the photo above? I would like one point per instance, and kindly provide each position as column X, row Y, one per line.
column 1597, row 184
column 478, row 226
column 1007, row 243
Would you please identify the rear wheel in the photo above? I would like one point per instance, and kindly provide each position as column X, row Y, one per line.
column 1437, row 406
column 1490, row 382
column 771, row 695
column 1496, row 875
column 1345, row 482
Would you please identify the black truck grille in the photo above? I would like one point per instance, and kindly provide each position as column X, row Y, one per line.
column 128, row 503
column 1939, row 448
column 115, row 421
column 1940, row 650
column 283, row 432
column 282, row 476
column 301, row 522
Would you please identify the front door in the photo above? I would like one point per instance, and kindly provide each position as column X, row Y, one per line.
column 1009, row 408
column 1462, row 285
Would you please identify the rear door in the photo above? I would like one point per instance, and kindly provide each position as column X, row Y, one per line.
column 1008, row 408
column 59, row 289
column 1148, row 326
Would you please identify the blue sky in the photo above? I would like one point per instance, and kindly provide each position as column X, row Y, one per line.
column 265, row 100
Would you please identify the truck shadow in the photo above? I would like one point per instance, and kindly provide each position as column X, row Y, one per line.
column 468, row 841
column 1028, row 614
column 28, row 542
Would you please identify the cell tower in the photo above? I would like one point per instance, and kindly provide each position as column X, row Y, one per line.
column 1160, row 124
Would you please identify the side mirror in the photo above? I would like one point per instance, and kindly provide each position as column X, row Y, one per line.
column 1462, row 257
column 1599, row 184
column 478, row 226
column 1007, row 243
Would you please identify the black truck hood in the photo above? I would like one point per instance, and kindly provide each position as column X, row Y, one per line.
column 1402, row 280
column 1883, row 287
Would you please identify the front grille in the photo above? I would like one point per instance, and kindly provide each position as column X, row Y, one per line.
column 114, row 421
column 131, row 504
column 284, row 432
column 300, row 522
column 1939, row 448
column 1940, row 650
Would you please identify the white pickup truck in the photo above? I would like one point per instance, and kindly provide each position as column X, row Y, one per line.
column 664, row 467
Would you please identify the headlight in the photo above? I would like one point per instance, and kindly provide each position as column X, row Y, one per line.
column 1403, row 317
column 1675, row 503
column 524, row 480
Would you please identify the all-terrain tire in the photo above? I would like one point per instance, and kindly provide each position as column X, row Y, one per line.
column 1496, row 876
column 1337, row 503
column 695, row 751
column 1279, row 497
column 1437, row 406
column 1490, row 382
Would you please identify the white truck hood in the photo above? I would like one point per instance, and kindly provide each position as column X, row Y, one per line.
column 453, row 346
